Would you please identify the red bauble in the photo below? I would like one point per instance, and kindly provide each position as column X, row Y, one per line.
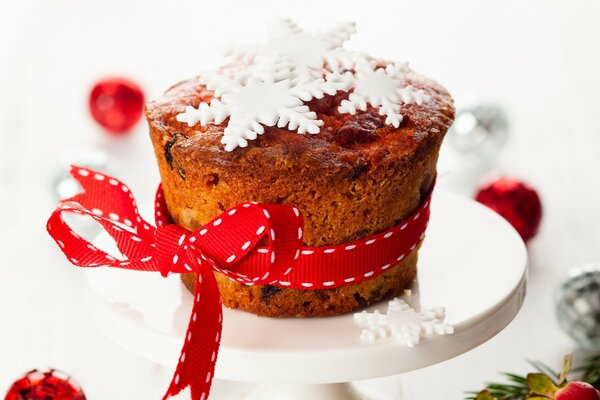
column 116, row 104
column 577, row 391
column 517, row 202
column 45, row 385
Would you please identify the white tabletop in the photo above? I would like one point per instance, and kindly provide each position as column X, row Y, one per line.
column 538, row 58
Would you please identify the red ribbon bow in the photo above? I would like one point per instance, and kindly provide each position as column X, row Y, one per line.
column 228, row 244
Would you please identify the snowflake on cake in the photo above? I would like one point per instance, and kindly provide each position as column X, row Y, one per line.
column 267, row 85
column 307, row 53
column 402, row 323
column 381, row 87
column 260, row 96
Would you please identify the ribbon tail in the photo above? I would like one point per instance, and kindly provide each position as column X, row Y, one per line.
column 199, row 353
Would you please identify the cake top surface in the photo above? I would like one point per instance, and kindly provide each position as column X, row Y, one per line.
column 306, row 93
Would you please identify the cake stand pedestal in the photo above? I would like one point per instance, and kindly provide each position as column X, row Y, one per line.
column 472, row 263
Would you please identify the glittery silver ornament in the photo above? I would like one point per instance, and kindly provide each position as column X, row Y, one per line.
column 578, row 306
column 63, row 185
column 480, row 131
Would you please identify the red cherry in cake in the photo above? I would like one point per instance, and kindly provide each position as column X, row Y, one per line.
column 116, row 104
column 577, row 391
column 322, row 105
column 45, row 385
column 517, row 202
column 359, row 128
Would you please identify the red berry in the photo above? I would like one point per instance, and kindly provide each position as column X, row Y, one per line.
column 577, row 391
column 45, row 385
column 359, row 128
column 116, row 104
column 322, row 105
column 517, row 202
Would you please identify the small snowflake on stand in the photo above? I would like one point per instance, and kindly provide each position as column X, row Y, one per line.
column 382, row 87
column 402, row 323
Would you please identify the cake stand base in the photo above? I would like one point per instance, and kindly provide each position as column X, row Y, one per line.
column 472, row 262
column 333, row 391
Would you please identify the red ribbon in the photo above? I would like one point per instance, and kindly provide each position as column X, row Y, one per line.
column 228, row 244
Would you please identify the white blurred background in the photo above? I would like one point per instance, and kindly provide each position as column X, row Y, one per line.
column 540, row 60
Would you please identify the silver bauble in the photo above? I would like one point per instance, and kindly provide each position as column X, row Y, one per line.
column 578, row 306
column 480, row 131
column 63, row 184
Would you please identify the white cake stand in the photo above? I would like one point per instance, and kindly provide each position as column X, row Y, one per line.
column 472, row 262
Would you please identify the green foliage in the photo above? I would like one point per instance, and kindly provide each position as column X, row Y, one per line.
column 542, row 384
column 567, row 364
column 590, row 371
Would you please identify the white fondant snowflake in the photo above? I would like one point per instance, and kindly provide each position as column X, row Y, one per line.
column 307, row 53
column 402, row 323
column 260, row 95
column 381, row 87
column 266, row 85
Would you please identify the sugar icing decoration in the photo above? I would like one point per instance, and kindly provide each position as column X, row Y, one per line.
column 380, row 87
column 402, row 323
column 268, row 84
column 281, row 102
column 308, row 53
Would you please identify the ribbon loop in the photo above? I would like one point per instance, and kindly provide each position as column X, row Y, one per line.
column 82, row 253
column 110, row 198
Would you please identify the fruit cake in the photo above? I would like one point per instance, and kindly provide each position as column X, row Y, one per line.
column 361, row 173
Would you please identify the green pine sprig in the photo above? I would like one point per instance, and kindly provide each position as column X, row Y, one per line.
column 516, row 389
column 541, row 384
column 589, row 371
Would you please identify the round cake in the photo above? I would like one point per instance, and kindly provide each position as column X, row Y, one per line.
column 357, row 176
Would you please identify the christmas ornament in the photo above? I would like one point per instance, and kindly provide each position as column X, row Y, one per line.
column 169, row 248
column 116, row 104
column 578, row 305
column 402, row 323
column 517, row 202
column 45, row 385
column 546, row 384
column 479, row 132
column 63, row 184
